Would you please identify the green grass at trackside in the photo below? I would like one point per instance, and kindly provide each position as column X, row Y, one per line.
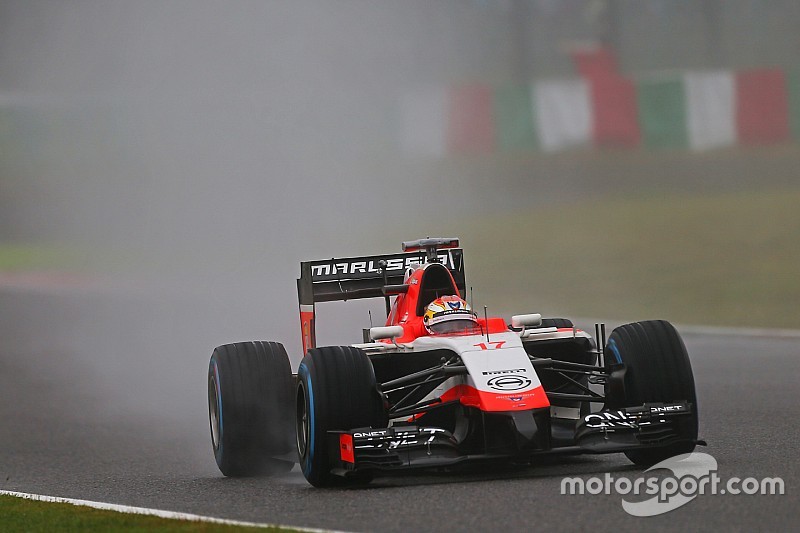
column 37, row 257
column 728, row 259
column 731, row 259
column 17, row 514
column 67, row 258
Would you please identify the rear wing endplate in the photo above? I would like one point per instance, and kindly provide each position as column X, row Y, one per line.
column 353, row 278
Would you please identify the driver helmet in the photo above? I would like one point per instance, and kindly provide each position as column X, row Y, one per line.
column 449, row 314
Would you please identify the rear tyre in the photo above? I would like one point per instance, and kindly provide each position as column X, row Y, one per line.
column 336, row 390
column 556, row 323
column 657, row 370
column 249, row 408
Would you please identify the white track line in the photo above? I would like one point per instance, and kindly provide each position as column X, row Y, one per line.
column 154, row 512
column 697, row 329
column 740, row 332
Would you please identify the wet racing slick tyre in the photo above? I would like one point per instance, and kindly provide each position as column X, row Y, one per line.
column 250, row 408
column 657, row 370
column 556, row 323
column 336, row 390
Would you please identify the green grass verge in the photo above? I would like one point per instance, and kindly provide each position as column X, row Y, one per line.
column 39, row 257
column 731, row 259
column 17, row 514
column 69, row 257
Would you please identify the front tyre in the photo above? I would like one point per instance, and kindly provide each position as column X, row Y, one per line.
column 336, row 390
column 657, row 371
column 249, row 408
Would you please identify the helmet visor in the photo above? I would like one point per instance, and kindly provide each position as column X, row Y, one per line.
column 453, row 326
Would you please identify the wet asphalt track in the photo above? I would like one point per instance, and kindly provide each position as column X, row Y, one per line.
column 61, row 435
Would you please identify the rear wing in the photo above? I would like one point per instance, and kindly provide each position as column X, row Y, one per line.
column 353, row 278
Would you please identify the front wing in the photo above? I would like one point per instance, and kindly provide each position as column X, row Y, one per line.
column 413, row 447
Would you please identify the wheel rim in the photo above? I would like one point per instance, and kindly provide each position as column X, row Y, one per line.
column 213, row 410
column 302, row 421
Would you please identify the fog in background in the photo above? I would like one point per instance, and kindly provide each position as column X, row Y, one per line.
column 201, row 149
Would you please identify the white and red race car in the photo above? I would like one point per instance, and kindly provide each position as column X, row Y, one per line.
column 414, row 396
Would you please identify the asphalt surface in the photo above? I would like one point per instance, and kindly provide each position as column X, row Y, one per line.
column 84, row 420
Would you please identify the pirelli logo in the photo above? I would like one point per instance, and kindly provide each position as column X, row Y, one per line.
column 370, row 267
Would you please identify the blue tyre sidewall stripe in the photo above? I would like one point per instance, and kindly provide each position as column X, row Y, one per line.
column 612, row 344
column 219, row 406
column 303, row 371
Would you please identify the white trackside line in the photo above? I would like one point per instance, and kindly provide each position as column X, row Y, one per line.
column 740, row 332
column 696, row 329
column 153, row 512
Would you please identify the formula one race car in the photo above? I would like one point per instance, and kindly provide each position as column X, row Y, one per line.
column 438, row 385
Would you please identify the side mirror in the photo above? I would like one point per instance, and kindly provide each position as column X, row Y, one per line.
column 526, row 321
column 394, row 290
column 385, row 332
